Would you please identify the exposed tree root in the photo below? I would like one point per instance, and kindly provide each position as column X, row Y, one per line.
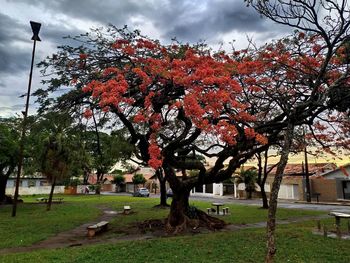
column 151, row 225
column 210, row 222
column 194, row 220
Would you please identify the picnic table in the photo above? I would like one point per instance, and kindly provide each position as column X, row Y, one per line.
column 338, row 216
column 217, row 207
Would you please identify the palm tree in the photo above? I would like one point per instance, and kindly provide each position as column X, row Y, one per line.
column 54, row 161
column 248, row 177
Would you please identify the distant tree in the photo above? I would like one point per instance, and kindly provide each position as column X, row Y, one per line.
column 8, row 153
column 248, row 178
column 55, row 161
column 119, row 180
column 138, row 179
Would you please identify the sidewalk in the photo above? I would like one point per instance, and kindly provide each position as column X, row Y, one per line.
column 340, row 203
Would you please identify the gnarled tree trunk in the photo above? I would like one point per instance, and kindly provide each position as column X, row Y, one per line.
column 178, row 219
column 180, row 215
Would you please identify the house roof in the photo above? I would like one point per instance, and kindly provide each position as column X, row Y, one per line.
column 93, row 178
column 316, row 169
column 343, row 168
column 147, row 172
column 128, row 177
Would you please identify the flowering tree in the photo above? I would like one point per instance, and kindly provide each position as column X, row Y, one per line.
column 315, row 70
column 178, row 100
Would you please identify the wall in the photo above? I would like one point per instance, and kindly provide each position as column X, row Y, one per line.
column 108, row 188
column 326, row 188
column 129, row 187
column 291, row 187
column 35, row 190
column 217, row 189
column 338, row 174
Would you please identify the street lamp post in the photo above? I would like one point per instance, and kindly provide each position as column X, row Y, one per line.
column 35, row 28
column 307, row 178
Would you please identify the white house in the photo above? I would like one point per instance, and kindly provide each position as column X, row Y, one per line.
column 30, row 185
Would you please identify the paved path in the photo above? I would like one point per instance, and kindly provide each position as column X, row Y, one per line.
column 69, row 238
column 282, row 204
column 257, row 202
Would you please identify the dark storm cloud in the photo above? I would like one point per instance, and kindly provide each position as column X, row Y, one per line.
column 220, row 17
column 188, row 20
column 12, row 57
column 56, row 34
column 106, row 11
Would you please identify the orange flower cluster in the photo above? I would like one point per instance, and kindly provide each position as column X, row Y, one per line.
column 210, row 94
column 155, row 156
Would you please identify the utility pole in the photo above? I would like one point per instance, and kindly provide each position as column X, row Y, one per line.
column 307, row 180
column 35, row 28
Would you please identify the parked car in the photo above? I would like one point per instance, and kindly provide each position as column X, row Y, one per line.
column 141, row 192
column 169, row 193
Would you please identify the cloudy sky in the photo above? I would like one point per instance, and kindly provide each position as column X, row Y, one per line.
column 215, row 21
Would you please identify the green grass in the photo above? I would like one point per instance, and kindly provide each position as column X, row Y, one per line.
column 33, row 223
column 295, row 244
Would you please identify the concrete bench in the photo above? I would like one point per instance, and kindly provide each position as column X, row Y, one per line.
column 225, row 210
column 127, row 209
column 99, row 227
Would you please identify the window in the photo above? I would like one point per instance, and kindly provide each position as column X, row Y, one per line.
column 31, row 183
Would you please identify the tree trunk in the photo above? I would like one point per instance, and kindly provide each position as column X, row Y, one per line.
column 48, row 208
column 86, row 177
column 180, row 215
column 249, row 194
column 264, row 196
column 177, row 220
column 262, row 176
column 99, row 179
column 3, row 182
column 162, row 183
column 271, row 220
column 163, row 193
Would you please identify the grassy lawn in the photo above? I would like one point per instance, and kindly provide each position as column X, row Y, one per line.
column 295, row 244
column 33, row 223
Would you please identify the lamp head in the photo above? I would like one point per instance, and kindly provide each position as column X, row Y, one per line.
column 35, row 28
